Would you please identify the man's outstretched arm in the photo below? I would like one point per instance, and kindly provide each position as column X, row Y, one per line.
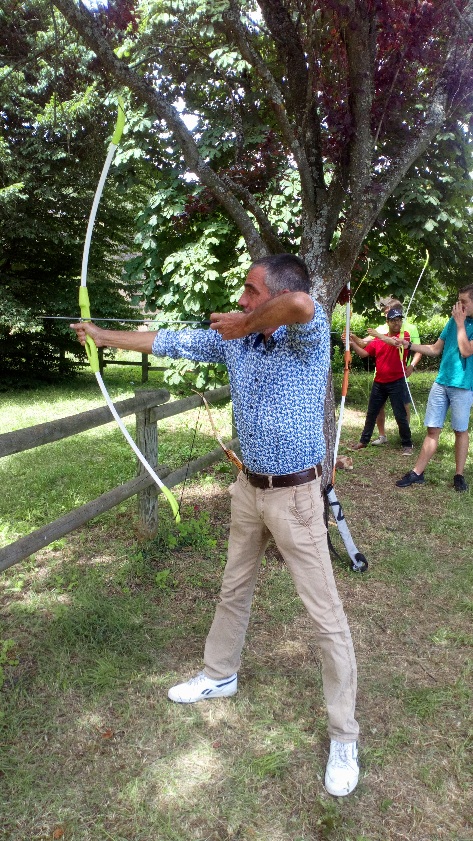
column 427, row 350
column 356, row 346
column 286, row 308
column 138, row 340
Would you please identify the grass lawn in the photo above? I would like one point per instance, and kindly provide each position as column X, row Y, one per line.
column 95, row 628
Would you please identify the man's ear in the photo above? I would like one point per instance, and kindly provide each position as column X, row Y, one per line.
column 280, row 292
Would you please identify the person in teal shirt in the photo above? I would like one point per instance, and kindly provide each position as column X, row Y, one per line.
column 453, row 389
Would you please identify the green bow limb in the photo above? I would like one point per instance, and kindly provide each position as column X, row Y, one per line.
column 90, row 346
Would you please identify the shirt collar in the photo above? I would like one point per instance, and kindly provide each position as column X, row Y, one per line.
column 278, row 334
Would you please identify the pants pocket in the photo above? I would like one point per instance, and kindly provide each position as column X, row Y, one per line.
column 302, row 504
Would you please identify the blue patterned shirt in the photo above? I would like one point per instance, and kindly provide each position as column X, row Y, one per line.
column 277, row 388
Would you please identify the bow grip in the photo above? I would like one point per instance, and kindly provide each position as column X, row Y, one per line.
column 119, row 125
column 90, row 346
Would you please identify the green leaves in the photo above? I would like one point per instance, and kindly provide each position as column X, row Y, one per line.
column 57, row 120
column 229, row 59
column 429, row 210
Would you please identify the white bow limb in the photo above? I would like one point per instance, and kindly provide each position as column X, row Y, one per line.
column 84, row 304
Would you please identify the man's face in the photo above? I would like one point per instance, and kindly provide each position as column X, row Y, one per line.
column 394, row 325
column 255, row 292
column 467, row 303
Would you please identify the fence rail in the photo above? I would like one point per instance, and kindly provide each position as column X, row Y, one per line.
column 46, row 433
column 149, row 407
column 145, row 365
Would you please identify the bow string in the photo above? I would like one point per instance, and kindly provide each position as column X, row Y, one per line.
column 404, row 320
column 346, row 375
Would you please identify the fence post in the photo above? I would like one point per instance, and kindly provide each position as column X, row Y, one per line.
column 144, row 367
column 147, row 442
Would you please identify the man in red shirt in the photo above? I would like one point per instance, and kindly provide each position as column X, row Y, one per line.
column 388, row 381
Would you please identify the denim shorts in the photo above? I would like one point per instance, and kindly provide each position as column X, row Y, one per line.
column 442, row 397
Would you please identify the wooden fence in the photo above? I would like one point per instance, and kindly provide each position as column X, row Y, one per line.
column 145, row 365
column 149, row 407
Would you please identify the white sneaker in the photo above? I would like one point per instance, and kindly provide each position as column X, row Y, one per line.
column 341, row 774
column 381, row 439
column 201, row 687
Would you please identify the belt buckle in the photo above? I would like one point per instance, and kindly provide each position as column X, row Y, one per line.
column 270, row 482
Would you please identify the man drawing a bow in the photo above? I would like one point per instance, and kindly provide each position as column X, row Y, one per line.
column 277, row 355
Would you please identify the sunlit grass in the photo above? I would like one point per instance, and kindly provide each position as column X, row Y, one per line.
column 97, row 626
column 42, row 484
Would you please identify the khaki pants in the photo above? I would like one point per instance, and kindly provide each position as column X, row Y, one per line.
column 294, row 517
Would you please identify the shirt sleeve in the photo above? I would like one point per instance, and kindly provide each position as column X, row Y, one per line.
column 311, row 333
column 198, row 345
column 372, row 346
column 446, row 329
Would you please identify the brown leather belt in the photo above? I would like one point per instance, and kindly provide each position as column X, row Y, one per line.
column 262, row 480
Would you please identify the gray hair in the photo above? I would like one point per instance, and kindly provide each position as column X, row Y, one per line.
column 284, row 271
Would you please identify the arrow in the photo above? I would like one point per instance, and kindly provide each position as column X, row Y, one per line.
column 204, row 322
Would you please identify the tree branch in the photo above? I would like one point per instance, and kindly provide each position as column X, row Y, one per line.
column 83, row 22
column 300, row 82
column 465, row 17
column 236, row 29
column 400, row 59
column 359, row 34
column 266, row 229
column 369, row 203
column 372, row 192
